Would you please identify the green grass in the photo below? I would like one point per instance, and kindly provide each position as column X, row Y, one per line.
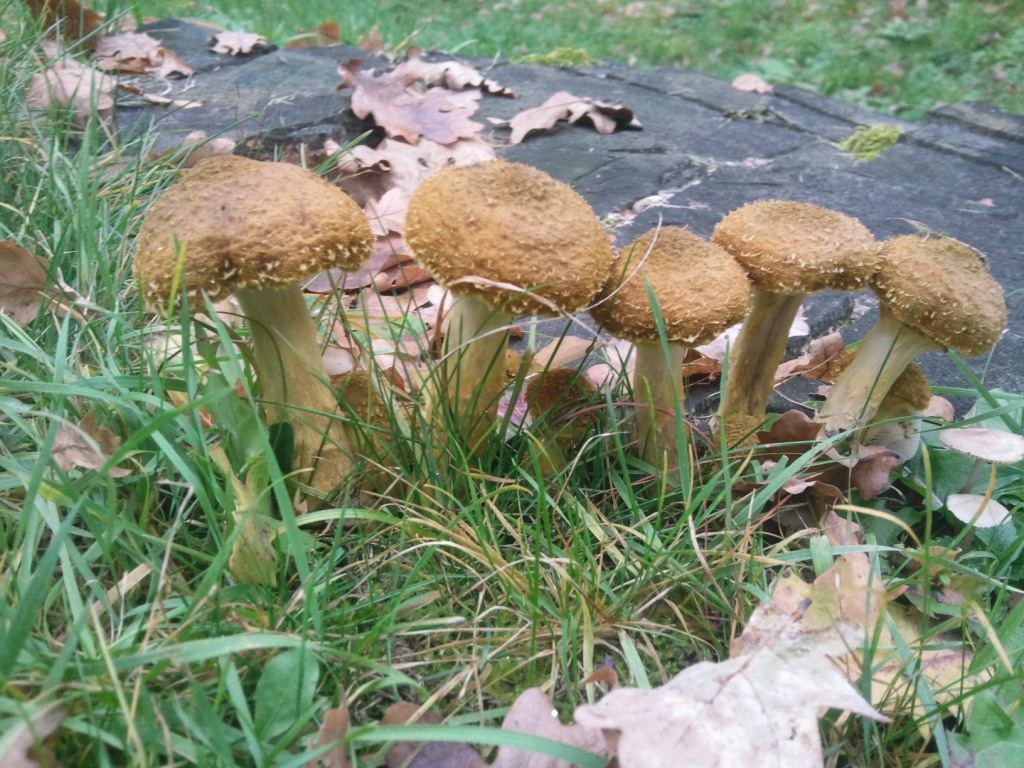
column 860, row 51
column 120, row 608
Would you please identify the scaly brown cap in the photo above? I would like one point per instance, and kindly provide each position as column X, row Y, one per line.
column 508, row 223
column 558, row 393
column 701, row 290
column 942, row 288
column 795, row 248
column 247, row 224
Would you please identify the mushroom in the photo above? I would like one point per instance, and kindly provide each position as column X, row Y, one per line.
column 898, row 420
column 789, row 251
column 555, row 399
column 699, row 291
column 934, row 293
column 504, row 238
column 990, row 446
column 256, row 229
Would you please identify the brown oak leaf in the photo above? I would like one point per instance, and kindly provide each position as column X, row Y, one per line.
column 237, row 43
column 604, row 117
column 403, row 111
column 138, row 53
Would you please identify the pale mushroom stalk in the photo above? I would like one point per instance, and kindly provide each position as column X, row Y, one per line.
column 658, row 387
column 756, row 353
column 294, row 383
column 887, row 349
column 473, row 368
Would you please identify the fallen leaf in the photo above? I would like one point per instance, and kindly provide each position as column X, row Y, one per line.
column 454, row 75
column 406, row 113
column 604, row 117
column 86, row 446
column 426, row 754
column 815, row 364
column 237, row 43
column 564, row 350
column 27, row 741
column 72, row 20
column 68, row 84
column 334, row 728
column 532, row 712
column 138, row 53
column 752, row 83
column 373, row 42
column 328, row 33
column 760, row 707
column 23, row 282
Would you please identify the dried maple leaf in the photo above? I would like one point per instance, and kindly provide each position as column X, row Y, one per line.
column 405, row 112
column 604, row 117
column 23, row 284
column 237, row 43
column 86, row 446
column 760, row 707
column 815, row 364
column 138, row 53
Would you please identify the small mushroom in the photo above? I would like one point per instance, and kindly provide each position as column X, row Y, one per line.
column 556, row 400
column 789, row 250
column 258, row 230
column 934, row 293
column 505, row 239
column 985, row 446
column 699, row 290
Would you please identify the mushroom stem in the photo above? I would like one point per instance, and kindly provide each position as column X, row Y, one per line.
column 888, row 348
column 294, row 382
column 757, row 352
column 473, row 369
column 658, row 388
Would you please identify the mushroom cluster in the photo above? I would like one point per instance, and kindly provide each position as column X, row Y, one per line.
column 506, row 239
column 258, row 230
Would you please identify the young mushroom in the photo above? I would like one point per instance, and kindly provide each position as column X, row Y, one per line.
column 258, row 230
column 789, row 251
column 985, row 446
column 699, row 290
column 556, row 399
column 934, row 293
column 505, row 239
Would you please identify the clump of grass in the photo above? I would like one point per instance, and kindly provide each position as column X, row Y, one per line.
column 562, row 56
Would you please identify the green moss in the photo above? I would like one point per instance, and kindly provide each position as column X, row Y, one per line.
column 869, row 142
column 560, row 57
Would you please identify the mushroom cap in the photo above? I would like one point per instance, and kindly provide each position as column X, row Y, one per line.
column 992, row 445
column 942, row 288
column 701, row 290
column 508, row 223
column 247, row 224
column 556, row 394
column 796, row 248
